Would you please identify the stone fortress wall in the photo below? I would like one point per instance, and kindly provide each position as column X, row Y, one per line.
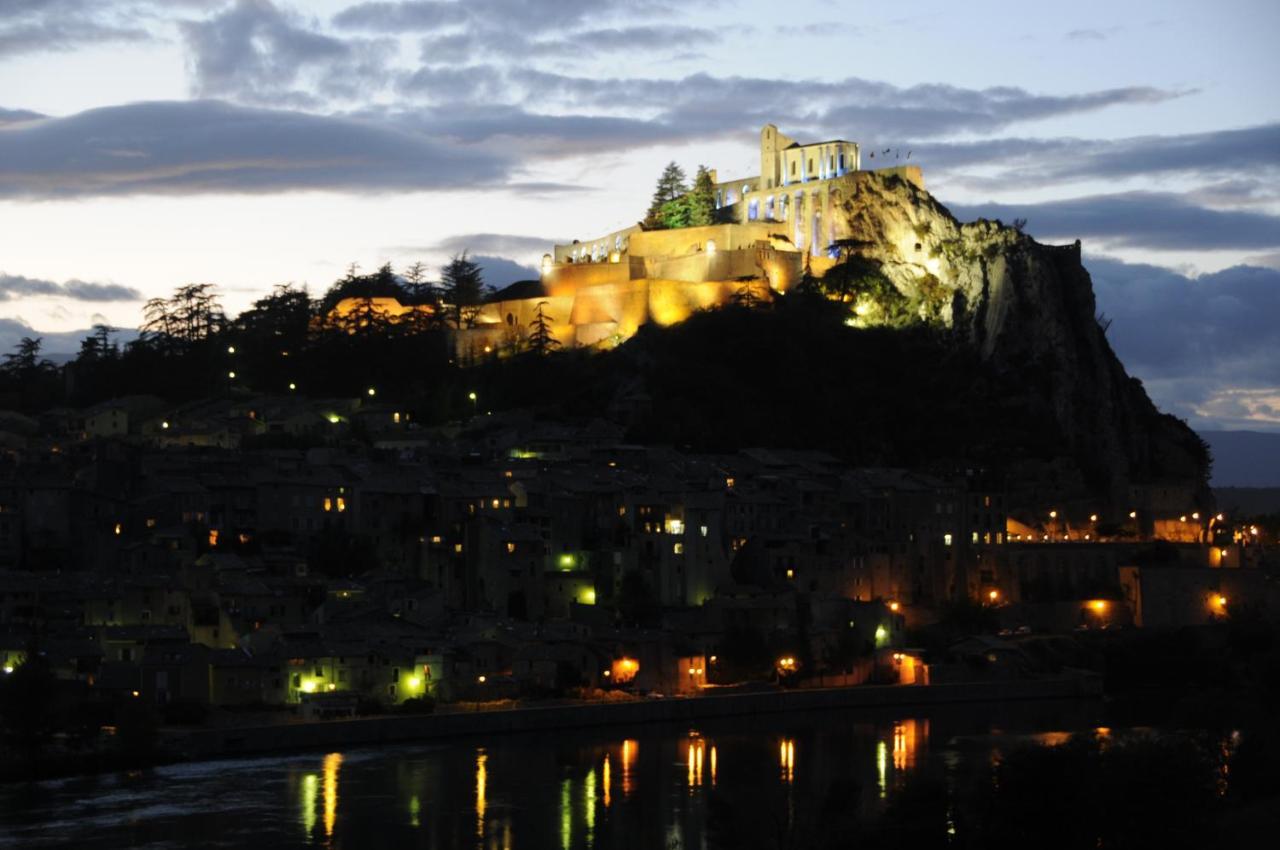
column 775, row 226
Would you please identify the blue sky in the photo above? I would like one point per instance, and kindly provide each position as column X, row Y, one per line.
column 148, row 143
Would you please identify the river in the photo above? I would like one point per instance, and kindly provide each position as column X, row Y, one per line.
column 652, row 786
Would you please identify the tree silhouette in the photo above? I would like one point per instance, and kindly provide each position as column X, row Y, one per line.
column 192, row 315
column 464, row 290
column 541, row 339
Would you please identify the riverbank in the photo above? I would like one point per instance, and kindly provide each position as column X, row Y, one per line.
column 372, row 731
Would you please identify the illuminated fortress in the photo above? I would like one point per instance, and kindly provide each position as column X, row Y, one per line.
column 770, row 228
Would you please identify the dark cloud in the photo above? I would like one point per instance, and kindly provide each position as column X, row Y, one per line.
column 1205, row 346
column 494, row 243
column 17, row 116
column 53, row 344
column 258, row 53
column 508, row 15
column 701, row 103
column 16, row 286
column 1155, row 220
column 57, row 35
column 37, row 26
column 1237, row 155
column 209, row 146
column 499, row 271
column 401, row 17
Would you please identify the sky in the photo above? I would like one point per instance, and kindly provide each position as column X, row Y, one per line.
column 149, row 143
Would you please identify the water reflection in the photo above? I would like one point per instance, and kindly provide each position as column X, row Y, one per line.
column 630, row 748
column 332, row 763
column 310, row 784
column 607, row 781
column 482, row 780
column 572, row 791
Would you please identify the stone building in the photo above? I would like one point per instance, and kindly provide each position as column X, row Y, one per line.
column 771, row 228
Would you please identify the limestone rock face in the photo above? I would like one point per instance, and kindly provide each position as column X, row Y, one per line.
column 1029, row 309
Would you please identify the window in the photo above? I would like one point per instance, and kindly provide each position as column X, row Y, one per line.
column 678, row 548
column 946, row 539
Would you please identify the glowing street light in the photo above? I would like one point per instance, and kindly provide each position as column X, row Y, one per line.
column 231, row 349
column 231, row 375
column 993, row 595
column 372, row 392
column 292, row 385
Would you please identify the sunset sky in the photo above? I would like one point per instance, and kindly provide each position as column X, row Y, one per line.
column 148, row 143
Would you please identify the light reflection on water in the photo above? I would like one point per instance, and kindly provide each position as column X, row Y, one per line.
column 593, row 790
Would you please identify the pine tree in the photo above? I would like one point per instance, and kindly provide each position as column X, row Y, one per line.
column 702, row 200
column 671, row 185
column 464, row 290
column 541, row 339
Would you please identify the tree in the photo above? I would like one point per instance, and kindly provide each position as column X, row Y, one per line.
column 671, row 185
column 702, row 200
column 98, row 345
column 24, row 360
column 541, row 339
column 464, row 290
column 193, row 314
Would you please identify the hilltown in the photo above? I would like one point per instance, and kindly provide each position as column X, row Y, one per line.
column 152, row 553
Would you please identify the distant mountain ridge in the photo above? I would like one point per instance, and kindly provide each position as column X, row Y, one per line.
column 1244, row 458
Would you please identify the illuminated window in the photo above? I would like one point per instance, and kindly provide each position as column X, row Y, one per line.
column 511, row 548
column 975, row 537
column 675, row 526
column 678, row 548
column 395, row 417
column 703, row 530
column 946, row 539
column 342, row 504
column 328, row 504
column 457, row 547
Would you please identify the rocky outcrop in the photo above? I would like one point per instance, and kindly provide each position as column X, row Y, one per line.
column 1029, row 310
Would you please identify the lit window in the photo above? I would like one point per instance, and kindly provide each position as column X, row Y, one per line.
column 703, row 530
column 328, row 504
column 678, row 548
column 946, row 539
column 975, row 537
column 342, row 504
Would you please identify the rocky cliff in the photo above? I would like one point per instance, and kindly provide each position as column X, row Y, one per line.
column 1029, row 310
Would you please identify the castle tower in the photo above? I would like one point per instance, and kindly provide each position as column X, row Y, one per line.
column 771, row 144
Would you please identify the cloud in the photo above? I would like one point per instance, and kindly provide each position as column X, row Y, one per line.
column 39, row 26
column 1086, row 35
column 509, row 15
column 63, row 343
column 17, row 116
column 499, row 271
column 1236, row 155
column 494, row 243
column 209, row 146
column 17, row 286
column 1204, row 346
column 257, row 53
column 1156, row 220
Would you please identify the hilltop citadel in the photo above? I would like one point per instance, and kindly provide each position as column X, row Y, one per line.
column 770, row 228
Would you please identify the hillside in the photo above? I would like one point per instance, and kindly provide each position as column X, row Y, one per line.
column 1028, row 310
